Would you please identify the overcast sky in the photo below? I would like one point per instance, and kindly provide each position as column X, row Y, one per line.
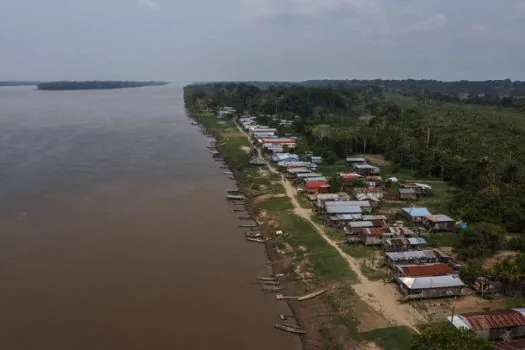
column 189, row 40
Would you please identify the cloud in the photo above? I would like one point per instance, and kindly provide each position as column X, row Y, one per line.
column 430, row 24
column 310, row 9
column 152, row 4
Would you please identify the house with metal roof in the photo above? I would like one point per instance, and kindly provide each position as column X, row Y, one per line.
column 355, row 160
column 364, row 205
column 431, row 286
column 400, row 244
column 506, row 324
column 438, row 269
column 366, row 169
column 439, row 222
column 416, row 257
column 343, row 209
column 342, row 220
column 376, row 235
column 407, row 194
column 415, row 214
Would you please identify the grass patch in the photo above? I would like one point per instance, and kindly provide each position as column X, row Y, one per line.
column 343, row 300
column 329, row 170
column 443, row 239
column 327, row 263
column 372, row 273
column 328, row 340
column 304, row 202
column 277, row 188
column 391, row 338
column 274, row 204
column 357, row 250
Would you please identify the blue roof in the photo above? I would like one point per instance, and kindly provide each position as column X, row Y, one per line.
column 416, row 212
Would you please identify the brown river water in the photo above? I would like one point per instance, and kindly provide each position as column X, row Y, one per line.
column 114, row 230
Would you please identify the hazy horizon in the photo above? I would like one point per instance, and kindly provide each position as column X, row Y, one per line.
column 264, row 40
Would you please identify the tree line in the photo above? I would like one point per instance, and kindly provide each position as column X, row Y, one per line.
column 95, row 85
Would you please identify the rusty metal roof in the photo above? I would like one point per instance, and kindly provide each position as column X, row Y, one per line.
column 425, row 270
column 506, row 318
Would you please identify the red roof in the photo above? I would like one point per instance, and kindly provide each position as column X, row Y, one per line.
column 350, row 176
column 426, row 270
column 506, row 318
column 316, row 184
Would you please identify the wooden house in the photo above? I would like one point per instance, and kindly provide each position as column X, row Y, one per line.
column 351, row 161
column 376, row 235
column 407, row 194
column 366, row 169
column 401, row 244
column 416, row 288
column 439, row 223
column 415, row 214
column 415, row 257
column 317, row 187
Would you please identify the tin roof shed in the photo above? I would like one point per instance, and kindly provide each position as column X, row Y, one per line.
column 348, row 209
column 416, row 212
column 432, row 282
column 425, row 270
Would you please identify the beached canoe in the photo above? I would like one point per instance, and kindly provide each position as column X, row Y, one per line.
column 234, row 197
column 228, row 173
column 245, row 217
column 264, row 278
column 256, row 240
column 271, row 289
column 253, row 234
column 248, row 225
column 233, row 191
column 290, row 328
column 312, row 295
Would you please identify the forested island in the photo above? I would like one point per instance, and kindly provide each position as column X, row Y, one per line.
column 96, row 85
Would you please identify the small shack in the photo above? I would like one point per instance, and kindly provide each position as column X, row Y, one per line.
column 407, row 194
column 401, row 244
column 366, row 169
column 439, row 222
column 415, row 214
column 351, row 161
column 376, row 235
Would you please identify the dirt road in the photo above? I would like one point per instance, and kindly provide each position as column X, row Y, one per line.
column 374, row 293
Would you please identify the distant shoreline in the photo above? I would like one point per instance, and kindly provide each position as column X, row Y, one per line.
column 96, row 85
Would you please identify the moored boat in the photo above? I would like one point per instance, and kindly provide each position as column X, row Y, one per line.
column 312, row 295
column 264, row 278
column 234, row 197
column 271, row 288
column 290, row 328
column 256, row 240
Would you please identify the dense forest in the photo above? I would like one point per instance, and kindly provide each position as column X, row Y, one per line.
column 479, row 149
column 17, row 83
column 412, row 87
column 95, row 85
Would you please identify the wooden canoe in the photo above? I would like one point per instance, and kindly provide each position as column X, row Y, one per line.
column 264, row 278
column 248, row 225
column 290, row 328
column 271, row 288
column 312, row 295
column 256, row 240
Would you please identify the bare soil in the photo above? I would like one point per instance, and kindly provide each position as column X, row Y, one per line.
column 375, row 159
column 492, row 260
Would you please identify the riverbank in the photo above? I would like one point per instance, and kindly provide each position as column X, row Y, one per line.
column 339, row 319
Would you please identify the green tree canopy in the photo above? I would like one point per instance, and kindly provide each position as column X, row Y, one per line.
column 444, row 336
